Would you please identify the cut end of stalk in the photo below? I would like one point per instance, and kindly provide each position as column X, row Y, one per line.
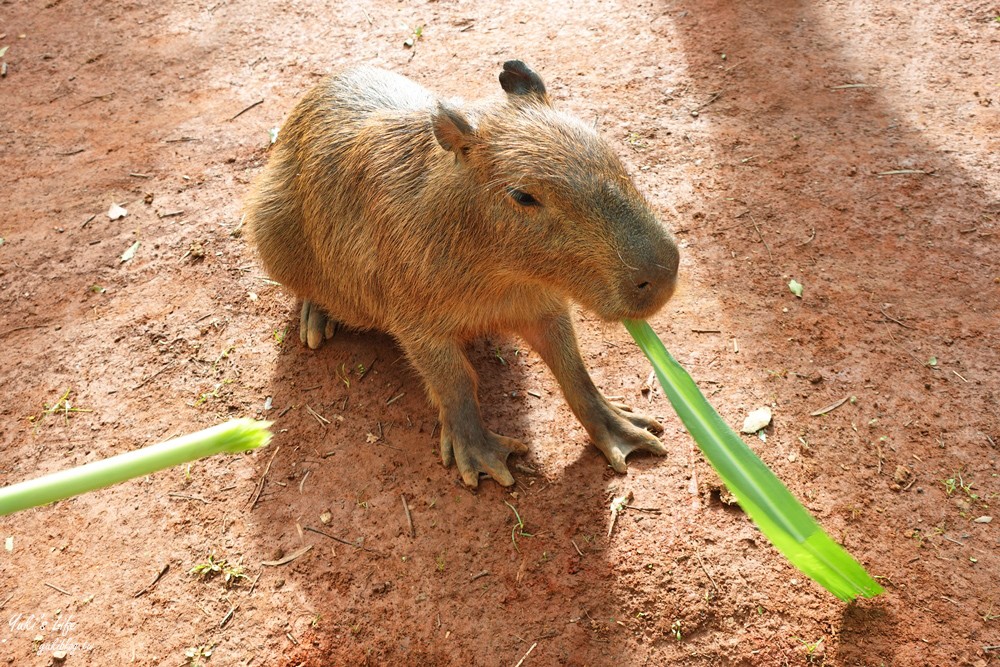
column 243, row 435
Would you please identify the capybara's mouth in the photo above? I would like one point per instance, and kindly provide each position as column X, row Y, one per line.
column 645, row 299
column 638, row 305
column 650, row 307
column 654, row 304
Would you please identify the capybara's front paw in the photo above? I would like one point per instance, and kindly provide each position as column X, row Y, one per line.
column 483, row 454
column 621, row 432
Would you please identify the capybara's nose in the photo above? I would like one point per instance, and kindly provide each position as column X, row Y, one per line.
column 654, row 282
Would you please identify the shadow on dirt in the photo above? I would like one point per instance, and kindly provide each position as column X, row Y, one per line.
column 819, row 174
column 356, row 434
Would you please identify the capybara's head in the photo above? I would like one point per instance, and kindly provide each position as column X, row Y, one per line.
column 566, row 210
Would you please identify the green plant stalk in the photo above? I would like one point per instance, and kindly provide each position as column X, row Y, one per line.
column 232, row 437
column 768, row 502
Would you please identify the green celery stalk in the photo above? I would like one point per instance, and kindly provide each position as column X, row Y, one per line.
column 768, row 502
column 232, row 437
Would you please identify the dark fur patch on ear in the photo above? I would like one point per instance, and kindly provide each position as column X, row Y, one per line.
column 518, row 79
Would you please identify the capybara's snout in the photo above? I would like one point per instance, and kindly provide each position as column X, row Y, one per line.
column 650, row 278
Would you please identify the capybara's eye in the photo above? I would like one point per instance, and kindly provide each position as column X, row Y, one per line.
column 523, row 198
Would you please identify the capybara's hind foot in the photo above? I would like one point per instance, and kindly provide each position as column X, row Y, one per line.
column 623, row 432
column 314, row 325
column 487, row 455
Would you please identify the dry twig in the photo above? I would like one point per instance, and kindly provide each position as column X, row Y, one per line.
column 259, row 487
column 761, row 237
column 56, row 588
column 341, row 540
column 521, row 661
column 707, row 573
column 148, row 587
column 893, row 319
column 409, row 519
column 830, row 408
column 257, row 103
column 289, row 558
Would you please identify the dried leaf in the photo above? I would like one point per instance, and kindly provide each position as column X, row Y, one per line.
column 130, row 253
column 116, row 212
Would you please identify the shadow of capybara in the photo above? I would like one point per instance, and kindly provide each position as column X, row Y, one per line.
column 385, row 207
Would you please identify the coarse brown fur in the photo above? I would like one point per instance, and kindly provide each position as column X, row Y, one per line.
column 384, row 207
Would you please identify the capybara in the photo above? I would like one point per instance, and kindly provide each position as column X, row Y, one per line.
column 386, row 207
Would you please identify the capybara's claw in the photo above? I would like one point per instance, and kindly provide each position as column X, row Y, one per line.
column 314, row 325
column 637, row 418
column 487, row 456
column 625, row 432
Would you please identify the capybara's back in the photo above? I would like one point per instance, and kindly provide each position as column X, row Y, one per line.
column 385, row 207
column 315, row 214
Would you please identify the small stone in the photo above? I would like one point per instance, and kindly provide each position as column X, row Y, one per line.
column 902, row 475
column 58, row 656
column 982, row 519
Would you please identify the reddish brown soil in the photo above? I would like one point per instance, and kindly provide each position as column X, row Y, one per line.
column 761, row 133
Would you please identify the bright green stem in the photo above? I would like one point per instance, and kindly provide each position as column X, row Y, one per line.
column 237, row 435
column 759, row 492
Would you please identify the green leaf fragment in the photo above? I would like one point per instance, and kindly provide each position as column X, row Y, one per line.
column 796, row 287
column 232, row 437
column 767, row 501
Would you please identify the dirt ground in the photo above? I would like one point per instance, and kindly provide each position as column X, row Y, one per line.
column 849, row 145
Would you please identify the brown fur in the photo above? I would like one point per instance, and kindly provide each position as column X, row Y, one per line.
column 390, row 209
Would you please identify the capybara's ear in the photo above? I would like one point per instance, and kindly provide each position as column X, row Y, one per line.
column 521, row 83
column 452, row 130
